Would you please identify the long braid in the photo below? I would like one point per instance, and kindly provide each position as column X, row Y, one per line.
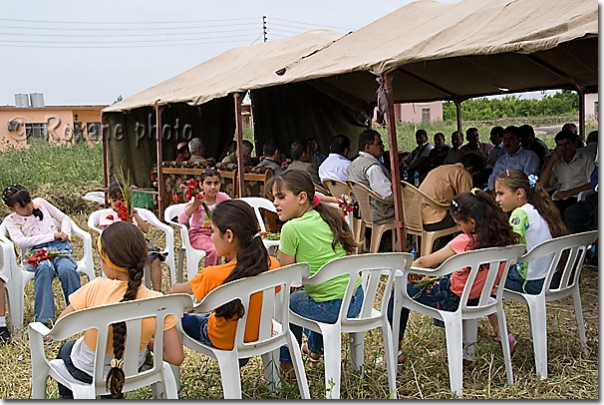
column 133, row 255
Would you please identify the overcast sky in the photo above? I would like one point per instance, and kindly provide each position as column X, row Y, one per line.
column 90, row 52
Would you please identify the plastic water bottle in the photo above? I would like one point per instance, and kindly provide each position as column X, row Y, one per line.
column 405, row 175
column 416, row 179
column 414, row 252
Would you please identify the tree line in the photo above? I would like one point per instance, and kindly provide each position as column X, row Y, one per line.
column 564, row 102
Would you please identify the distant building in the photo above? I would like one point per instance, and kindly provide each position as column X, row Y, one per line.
column 25, row 122
column 591, row 106
column 416, row 112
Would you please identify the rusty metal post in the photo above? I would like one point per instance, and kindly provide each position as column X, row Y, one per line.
column 458, row 108
column 159, row 152
column 238, row 97
column 399, row 221
column 104, row 135
column 581, row 92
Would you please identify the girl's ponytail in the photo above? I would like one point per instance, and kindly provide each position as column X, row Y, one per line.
column 126, row 247
column 252, row 256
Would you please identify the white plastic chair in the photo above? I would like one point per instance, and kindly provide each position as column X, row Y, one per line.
column 258, row 203
column 576, row 246
column 19, row 276
column 461, row 326
column 93, row 223
column 371, row 267
column 271, row 337
column 100, row 318
column 193, row 255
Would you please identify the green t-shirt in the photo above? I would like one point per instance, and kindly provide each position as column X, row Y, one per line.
column 309, row 239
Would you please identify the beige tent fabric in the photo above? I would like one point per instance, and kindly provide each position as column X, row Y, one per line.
column 237, row 70
column 427, row 30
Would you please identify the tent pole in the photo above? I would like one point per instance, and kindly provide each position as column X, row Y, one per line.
column 581, row 92
column 394, row 162
column 238, row 97
column 158, row 149
column 458, row 110
column 104, row 135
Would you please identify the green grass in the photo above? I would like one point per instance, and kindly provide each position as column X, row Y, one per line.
column 425, row 374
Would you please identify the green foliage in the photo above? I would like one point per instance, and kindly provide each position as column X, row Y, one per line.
column 561, row 103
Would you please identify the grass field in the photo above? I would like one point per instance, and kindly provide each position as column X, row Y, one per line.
column 425, row 374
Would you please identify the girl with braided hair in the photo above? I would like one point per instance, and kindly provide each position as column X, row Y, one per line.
column 123, row 252
column 31, row 226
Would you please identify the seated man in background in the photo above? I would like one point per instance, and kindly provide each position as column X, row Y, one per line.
column 580, row 141
column 475, row 146
column 197, row 150
column 272, row 157
column 445, row 182
column 367, row 170
column 515, row 157
column 454, row 153
column 246, row 150
column 231, row 156
column 334, row 167
column 316, row 157
column 567, row 170
column 592, row 145
column 301, row 161
column 530, row 142
column 436, row 157
column 497, row 150
column 420, row 154
column 182, row 150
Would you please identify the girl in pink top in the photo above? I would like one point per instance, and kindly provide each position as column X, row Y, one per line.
column 483, row 225
column 200, row 228
column 31, row 226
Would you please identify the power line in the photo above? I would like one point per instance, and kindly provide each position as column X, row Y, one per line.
column 120, row 42
column 125, row 35
column 128, row 23
column 127, row 29
column 315, row 25
column 119, row 47
column 291, row 32
column 259, row 36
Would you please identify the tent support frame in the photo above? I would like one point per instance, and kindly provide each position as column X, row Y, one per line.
column 399, row 221
column 105, row 134
column 238, row 98
column 159, row 152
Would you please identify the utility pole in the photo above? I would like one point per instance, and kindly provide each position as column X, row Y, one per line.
column 264, row 30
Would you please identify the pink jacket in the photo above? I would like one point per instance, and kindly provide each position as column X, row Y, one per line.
column 198, row 219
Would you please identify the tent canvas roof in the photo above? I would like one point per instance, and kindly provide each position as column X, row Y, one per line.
column 237, row 70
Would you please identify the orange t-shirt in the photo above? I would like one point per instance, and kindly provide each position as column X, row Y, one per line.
column 101, row 291
column 220, row 330
column 459, row 278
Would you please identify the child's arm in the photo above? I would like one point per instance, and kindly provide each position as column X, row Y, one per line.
column 286, row 259
column 24, row 242
column 185, row 215
column 181, row 288
column 66, row 311
column 142, row 224
column 434, row 258
column 173, row 352
column 59, row 216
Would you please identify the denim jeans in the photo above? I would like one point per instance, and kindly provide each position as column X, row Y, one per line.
column 65, row 355
column 514, row 282
column 63, row 267
column 326, row 312
column 196, row 327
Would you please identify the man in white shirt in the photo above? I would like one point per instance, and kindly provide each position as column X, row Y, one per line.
column 367, row 170
column 420, row 154
column 567, row 169
column 334, row 167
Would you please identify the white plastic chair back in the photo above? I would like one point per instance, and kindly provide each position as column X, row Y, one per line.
column 370, row 267
column 100, row 318
column 193, row 255
column 272, row 334
column 258, row 203
column 461, row 325
column 19, row 276
column 568, row 253
column 95, row 218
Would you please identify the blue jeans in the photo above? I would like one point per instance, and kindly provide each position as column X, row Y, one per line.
column 326, row 312
column 65, row 355
column 63, row 267
column 196, row 327
column 515, row 282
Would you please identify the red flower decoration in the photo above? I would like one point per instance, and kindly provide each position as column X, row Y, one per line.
column 175, row 199
column 199, row 196
column 110, row 217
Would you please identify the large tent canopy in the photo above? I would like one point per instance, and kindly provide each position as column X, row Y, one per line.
column 461, row 50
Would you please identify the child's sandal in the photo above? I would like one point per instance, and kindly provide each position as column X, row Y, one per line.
column 313, row 361
column 287, row 373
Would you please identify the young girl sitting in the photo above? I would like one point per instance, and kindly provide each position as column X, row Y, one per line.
column 109, row 216
column 316, row 234
column 123, row 252
column 199, row 221
column 31, row 226
column 535, row 218
column 483, row 225
column 235, row 234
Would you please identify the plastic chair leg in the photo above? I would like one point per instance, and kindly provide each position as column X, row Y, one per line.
column 270, row 364
column 391, row 363
column 170, row 385
column 15, row 305
column 376, row 238
column 427, row 243
column 38, row 384
column 470, row 336
column 453, row 330
column 538, row 322
column 357, row 351
column 298, row 364
column 176, row 373
column 332, row 339
column 229, row 374
column 580, row 322
column 181, row 264
column 505, row 344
